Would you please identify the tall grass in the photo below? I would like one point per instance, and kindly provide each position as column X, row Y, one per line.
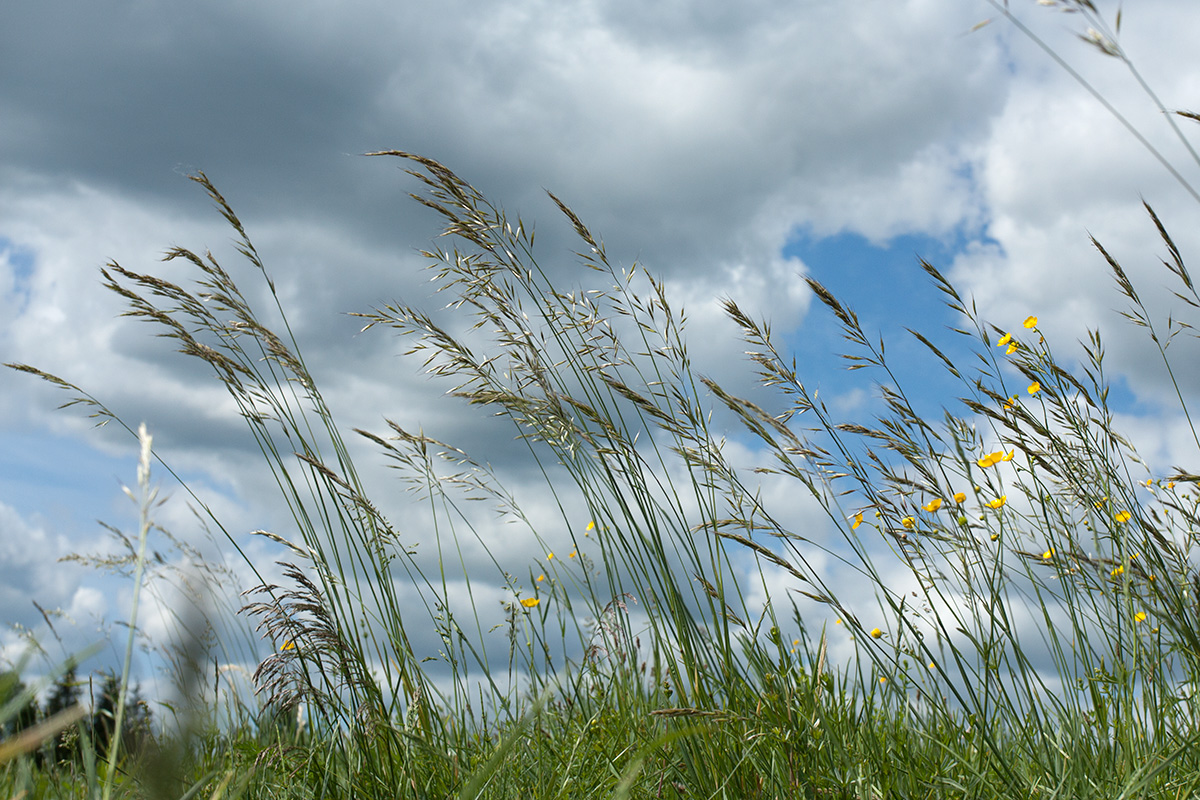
column 1020, row 590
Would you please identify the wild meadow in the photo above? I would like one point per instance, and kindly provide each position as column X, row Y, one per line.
column 1020, row 590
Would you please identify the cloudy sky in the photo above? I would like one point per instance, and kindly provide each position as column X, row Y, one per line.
column 733, row 149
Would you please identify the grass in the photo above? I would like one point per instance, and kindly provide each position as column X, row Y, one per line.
column 1031, row 629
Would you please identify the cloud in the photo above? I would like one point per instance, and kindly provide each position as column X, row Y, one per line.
column 30, row 572
column 694, row 138
column 1056, row 168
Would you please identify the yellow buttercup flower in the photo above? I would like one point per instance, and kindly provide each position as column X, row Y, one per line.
column 1005, row 339
column 909, row 522
column 530, row 602
column 1123, row 516
column 999, row 501
column 933, row 505
column 1030, row 322
column 1012, row 348
column 1120, row 570
column 288, row 645
column 1009, row 456
column 857, row 521
column 1139, row 616
column 876, row 633
column 990, row 459
column 1049, row 554
column 960, row 496
column 1034, row 388
column 541, row 577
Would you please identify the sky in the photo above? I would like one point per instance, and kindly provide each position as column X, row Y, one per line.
column 731, row 149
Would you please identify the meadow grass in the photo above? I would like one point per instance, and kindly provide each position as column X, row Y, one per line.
column 1020, row 591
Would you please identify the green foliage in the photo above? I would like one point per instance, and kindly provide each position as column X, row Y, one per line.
column 137, row 722
column 20, row 710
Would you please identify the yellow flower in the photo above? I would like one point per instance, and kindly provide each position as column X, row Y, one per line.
column 995, row 536
column 549, row 556
column 857, row 521
column 909, row 522
column 1171, row 484
column 1139, row 616
column 1009, row 456
column 572, row 555
column 1005, row 339
column 541, row 577
column 999, row 501
column 1008, row 404
column 1012, row 348
column 837, row 622
column 1120, row 570
column 990, row 459
column 876, row 633
column 960, row 496
column 883, row 680
column 530, row 602
column 933, row 505
column 289, row 645
column 1030, row 322
column 1149, row 482
column 591, row 525
column 1049, row 554
column 1123, row 516
column 1034, row 388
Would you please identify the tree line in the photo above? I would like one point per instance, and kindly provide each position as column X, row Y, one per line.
column 101, row 693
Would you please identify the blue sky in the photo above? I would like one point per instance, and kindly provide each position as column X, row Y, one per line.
column 731, row 149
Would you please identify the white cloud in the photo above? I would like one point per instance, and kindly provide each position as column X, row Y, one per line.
column 1057, row 168
column 30, row 570
column 694, row 137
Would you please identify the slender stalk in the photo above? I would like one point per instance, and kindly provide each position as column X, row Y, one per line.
column 146, row 499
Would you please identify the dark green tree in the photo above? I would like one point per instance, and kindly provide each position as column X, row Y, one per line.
column 104, row 712
column 11, row 687
column 135, row 726
column 64, row 694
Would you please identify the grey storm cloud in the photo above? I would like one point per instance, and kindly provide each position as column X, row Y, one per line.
column 689, row 136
